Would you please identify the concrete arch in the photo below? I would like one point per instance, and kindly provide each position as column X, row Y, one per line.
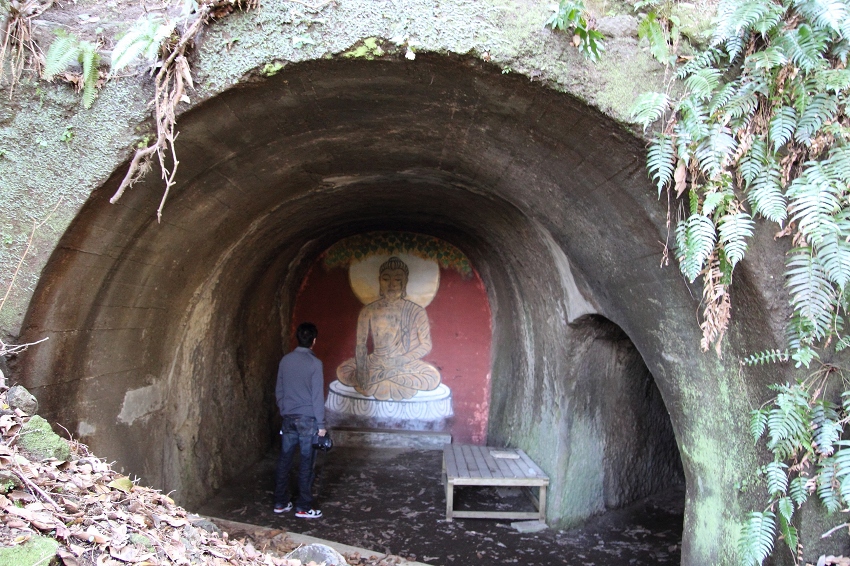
column 164, row 337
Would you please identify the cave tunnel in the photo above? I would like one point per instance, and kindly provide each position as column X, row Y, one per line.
column 165, row 337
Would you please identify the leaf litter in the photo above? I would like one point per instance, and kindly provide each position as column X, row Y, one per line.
column 102, row 518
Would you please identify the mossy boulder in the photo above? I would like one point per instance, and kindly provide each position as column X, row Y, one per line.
column 38, row 550
column 39, row 441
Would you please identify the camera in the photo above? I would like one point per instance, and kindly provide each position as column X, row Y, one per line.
column 323, row 443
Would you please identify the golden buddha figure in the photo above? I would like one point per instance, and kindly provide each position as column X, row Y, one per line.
column 401, row 336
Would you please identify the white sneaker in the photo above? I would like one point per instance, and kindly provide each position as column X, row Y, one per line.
column 280, row 508
column 310, row 514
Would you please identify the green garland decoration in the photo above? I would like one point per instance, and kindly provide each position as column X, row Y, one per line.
column 360, row 246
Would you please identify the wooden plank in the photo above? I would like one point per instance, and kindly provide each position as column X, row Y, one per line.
column 516, row 468
column 450, row 494
column 506, row 482
column 460, row 461
column 529, row 463
column 495, row 471
column 478, row 455
column 449, row 463
column 470, row 462
column 506, row 470
column 496, row 514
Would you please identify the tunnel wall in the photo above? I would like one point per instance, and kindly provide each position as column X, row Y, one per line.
column 163, row 337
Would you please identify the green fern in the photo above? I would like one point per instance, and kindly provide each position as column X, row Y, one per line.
column 782, row 126
column 67, row 49
column 734, row 230
column 143, row 39
column 756, row 539
column 827, row 429
column 695, row 240
column 787, row 530
column 821, row 109
column 661, row 161
column 765, row 357
column 797, row 490
column 649, row 107
column 805, row 47
column 777, row 478
column 570, row 17
column 811, row 293
column 651, row 30
column 830, row 15
column 758, row 422
column 703, row 83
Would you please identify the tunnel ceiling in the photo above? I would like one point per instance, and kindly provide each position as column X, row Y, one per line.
column 147, row 319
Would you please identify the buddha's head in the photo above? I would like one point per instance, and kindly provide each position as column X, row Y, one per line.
column 392, row 279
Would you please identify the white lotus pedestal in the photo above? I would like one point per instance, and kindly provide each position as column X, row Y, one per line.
column 427, row 411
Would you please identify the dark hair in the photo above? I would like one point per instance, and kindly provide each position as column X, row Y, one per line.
column 306, row 333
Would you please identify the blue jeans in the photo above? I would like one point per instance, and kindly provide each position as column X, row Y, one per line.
column 296, row 432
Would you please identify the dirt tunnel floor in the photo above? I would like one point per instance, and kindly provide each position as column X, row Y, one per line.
column 391, row 500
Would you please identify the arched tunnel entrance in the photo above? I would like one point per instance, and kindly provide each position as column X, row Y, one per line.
column 165, row 337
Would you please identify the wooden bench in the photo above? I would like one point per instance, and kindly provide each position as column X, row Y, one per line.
column 465, row 464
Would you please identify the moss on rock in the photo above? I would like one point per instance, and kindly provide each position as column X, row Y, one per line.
column 40, row 442
column 38, row 550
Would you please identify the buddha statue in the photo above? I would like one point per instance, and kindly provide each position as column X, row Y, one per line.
column 401, row 336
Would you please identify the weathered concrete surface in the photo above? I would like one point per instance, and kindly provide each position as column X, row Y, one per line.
column 164, row 338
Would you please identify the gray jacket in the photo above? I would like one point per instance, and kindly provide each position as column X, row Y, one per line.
column 300, row 385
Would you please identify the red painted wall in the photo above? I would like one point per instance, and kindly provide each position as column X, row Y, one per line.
column 460, row 333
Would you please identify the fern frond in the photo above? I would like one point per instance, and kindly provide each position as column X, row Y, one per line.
column 695, row 240
column 734, row 230
column 715, row 149
column 649, row 107
column 832, row 80
column 661, row 161
column 64, row 49
column 826, row 483
column 143, row 39
column 756, row 539
column 703, row 83
column 758, row 422
column 834, row 253
column 838, row 164
column 797, row 490
column 90, row 60
column 658, row 37
column 762, row 62
column 786, row 529
column 777, row 478
column 787, row 421
column 753, row 162
column 782, row 126
column 830, row 15
column 786, row 508
column 827, row 429
column 811, row 293
column 745, row 101
column 805, row 47
column 765, row 194
column 711, row 57
column 821, row 108
column 767, row 357
column 814, row 198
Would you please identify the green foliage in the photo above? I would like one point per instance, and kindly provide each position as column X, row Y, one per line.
column 359, row 247
column 67, row 49
column 756, row 540
column 571, row 17
column 144, row 39
column 764, row 116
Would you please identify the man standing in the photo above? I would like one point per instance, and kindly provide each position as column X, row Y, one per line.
column 299, row 393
